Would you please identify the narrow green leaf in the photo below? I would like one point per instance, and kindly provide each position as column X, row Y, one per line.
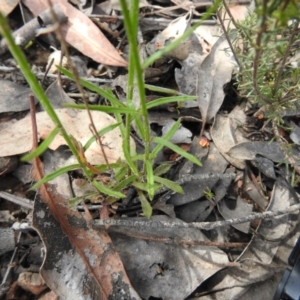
column 124, row 183
column 100, row 132
column 146, row 207
column 158, row 54
column 76, row 200
column 159, row 89
column 166, row 100
column 107, row 109
column 144, row 187
column 177, row 149
column 32, row 81
column 94, row 88
column 128, row 159
column 55, row 174
column 169, row 184
column 150, row 179
column 103, row 189
column 169, row 134
column 42, row 147
column 162, row 169
column 121, row 172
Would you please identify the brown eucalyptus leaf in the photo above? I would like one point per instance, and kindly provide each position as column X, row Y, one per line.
column 81, row 33
column 7, row 6
column 80, row 262
column 17, row 138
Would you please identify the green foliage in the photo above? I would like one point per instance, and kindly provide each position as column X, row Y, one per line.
column 270, row 37
column 208, row 193
column 145, row 179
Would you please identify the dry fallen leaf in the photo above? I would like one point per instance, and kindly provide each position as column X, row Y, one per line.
column 7, row 6
column 173, row 31
column 81, row 33
column 80, row 262
column 17, row 138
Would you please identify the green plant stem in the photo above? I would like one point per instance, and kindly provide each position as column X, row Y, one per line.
column 77, row 81
column 286, row 54
column 256, row 61
column 229, row 41
column 135, row 62
column 33, row 83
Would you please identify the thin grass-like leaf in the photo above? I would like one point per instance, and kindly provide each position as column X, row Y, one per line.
column 159, row 89
column 150, row 179
column 76, row 200
column 169, row 134
column 128, row 159
column 166, row 100
column 42, row 147
column 100, row 132
column 146, row 207
column 124, row 183
column 158, row 54
column 177, row 149
column 32, row 81
column 55, row 174
column 121, row 172
column 162, row 169
column 107, row 191
column 94, row 88
column 107, row 109
column 144, row 187
column 169, row 184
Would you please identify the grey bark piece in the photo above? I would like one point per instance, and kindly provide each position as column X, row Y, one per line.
column 265, row 165
column 230, row 209
column 14, row 97
column 7, row 240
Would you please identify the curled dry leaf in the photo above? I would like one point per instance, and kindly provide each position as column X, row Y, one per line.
column 172, row 32
column 17, row 138
column 81, row 33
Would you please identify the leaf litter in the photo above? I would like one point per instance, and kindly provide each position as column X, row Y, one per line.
column 238, row 175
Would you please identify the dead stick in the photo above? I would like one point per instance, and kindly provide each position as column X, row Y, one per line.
column 200, row 225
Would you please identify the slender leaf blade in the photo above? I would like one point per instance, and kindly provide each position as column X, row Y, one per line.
column 150, row 179
column 42, row 147
column 169, row 134
column 107, row 109
column 94, row 88
column 146, row 207
column 162, row 169
column 100, row 132
column 55, row 174
column 169, row 184
column 107, row 191
column 177, row 149
column 166, row 100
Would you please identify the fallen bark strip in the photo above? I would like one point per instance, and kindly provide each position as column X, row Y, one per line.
column 200, row 225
